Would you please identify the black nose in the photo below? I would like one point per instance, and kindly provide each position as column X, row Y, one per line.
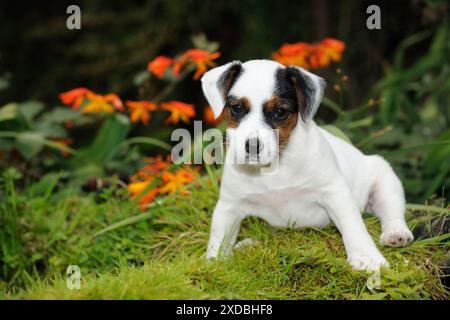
column 253, row 146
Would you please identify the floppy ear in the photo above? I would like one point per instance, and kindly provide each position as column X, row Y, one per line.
column 309, row 90
column 217, row 82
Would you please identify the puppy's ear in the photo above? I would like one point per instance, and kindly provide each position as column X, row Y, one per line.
column 217, row 82
column 309, row 90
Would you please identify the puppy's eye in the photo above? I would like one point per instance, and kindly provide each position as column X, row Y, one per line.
column 280, row 113
column 237, row 109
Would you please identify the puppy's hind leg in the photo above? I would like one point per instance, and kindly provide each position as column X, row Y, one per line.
column 387, row 202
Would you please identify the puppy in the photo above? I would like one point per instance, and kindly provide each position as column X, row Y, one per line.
column 318, row 179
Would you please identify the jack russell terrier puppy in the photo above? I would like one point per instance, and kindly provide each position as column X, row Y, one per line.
column 320, row 178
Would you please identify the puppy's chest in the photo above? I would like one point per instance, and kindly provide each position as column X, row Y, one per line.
column 287, row 208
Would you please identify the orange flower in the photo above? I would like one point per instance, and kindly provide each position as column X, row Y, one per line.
column 96, row 103
column 168, row 182
column 176, row 181
column 114, row 100
column 335, row 44
column 140, row 110
column 309, row 56
column 136, row 188
column 208, row 116
column 149, row 197
column 329, row 50
column 178, row 111
column 201, row 58
column 93, row 102
column 74, row 97
column 159, row 65
column 293, row 54
column 155, row 164
column 154, row 167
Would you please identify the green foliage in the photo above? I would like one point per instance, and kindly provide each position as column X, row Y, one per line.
column 10, row 238
column 25, row 128
column 90, row 161
column 406, row 117
column 159, row 254
column 424, row 82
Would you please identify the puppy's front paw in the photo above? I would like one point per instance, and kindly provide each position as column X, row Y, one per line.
column 396, row 236
column 211, row 253
column 367, row 261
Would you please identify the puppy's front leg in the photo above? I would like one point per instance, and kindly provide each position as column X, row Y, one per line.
column 225, row 225
column 362, row 253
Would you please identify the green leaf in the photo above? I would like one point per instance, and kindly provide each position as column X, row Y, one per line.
column 364, row 122
column 141, row 140
column 12, row 173
column 332, row 105
column 4, row 81
column 123, row 223
column 30, row 109
column 111, row 134
column 394, row 294
column 437, row 164
column 26, row 138
column 29, row 143
column 9, row 112
column 141, row 77
column 373, row 296
column 439, row 154
column 11, row 119
column 84, row 173
column 59, row 115
column 200, row 41
column 46, row 185
column 53, row 130
column 429, row 112
column 440, row 41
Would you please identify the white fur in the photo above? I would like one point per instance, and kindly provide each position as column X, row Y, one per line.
column 211, row 91
column 320, row 179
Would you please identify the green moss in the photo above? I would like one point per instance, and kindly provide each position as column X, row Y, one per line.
column 162, row 255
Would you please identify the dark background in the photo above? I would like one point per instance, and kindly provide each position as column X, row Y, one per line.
column 40, row 57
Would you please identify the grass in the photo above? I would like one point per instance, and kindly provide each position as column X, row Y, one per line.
column 158, row 254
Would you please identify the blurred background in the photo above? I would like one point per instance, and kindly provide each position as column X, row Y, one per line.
column 41, row 57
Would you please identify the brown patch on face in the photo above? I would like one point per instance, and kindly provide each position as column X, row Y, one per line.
column 284, row 124
column 234, row 119
column 286, row 129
